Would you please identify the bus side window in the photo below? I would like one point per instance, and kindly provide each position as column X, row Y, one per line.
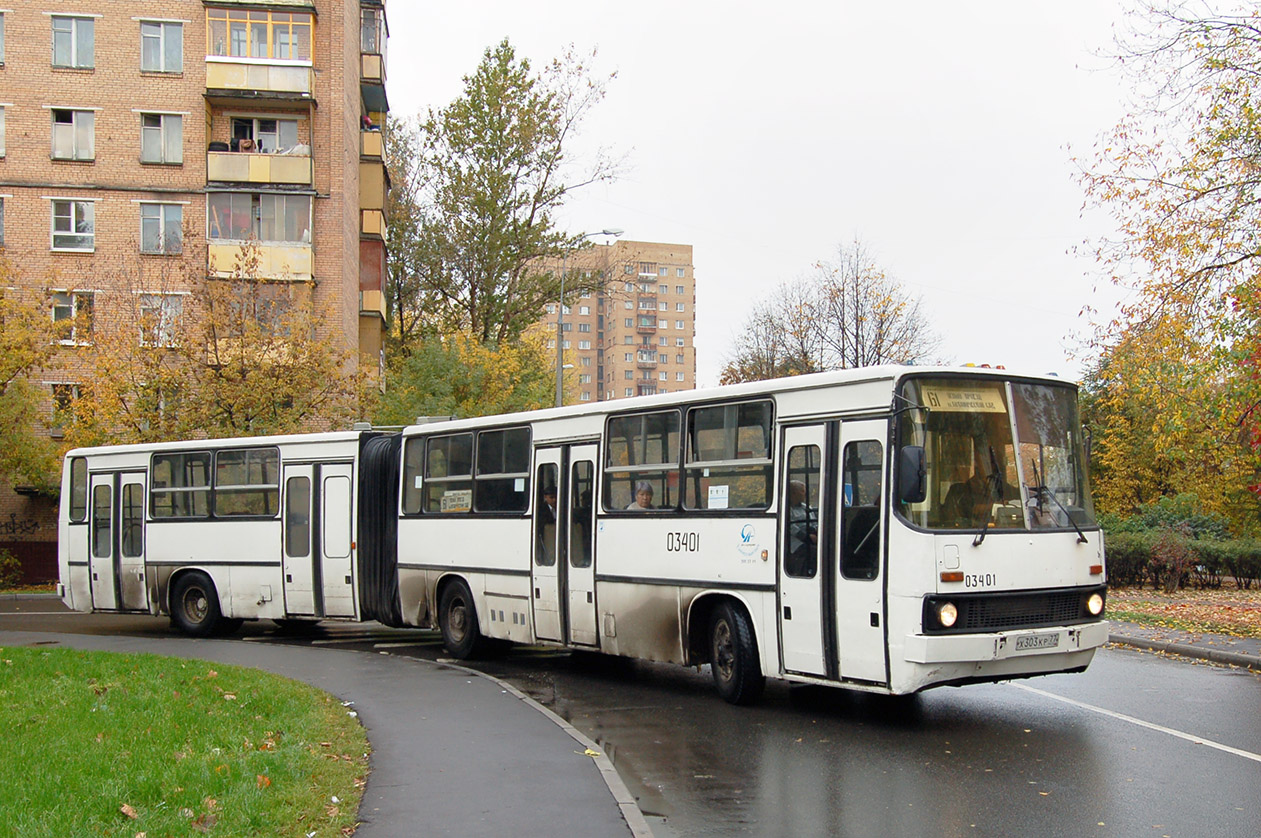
column 801, row 548
column 860, row 520
column 78, row 489
column 545, row 515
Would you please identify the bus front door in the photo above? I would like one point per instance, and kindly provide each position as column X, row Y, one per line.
column 803, row 578
column 860, row 612
column 101, row 552
column 563, row 570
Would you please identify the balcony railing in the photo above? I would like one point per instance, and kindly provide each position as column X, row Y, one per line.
column 372, row 68
column 646, row 360
column 372, row 223
column 246, row 167
column 258, row 77
column 276, row 260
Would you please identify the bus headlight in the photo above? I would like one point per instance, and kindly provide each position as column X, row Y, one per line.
column 1095, row 604
column 947, row 614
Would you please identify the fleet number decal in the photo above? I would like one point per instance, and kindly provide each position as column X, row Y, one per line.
column 980, row 580
column 683, row 542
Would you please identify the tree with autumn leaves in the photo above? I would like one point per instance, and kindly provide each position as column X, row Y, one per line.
column 1175, row 396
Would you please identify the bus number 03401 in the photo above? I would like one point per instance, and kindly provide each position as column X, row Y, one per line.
column 683, row 542
column 980, row 580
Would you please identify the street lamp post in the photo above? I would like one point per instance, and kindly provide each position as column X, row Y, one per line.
column 560, row 315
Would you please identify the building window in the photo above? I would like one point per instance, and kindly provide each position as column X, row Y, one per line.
column 678, row 289
column 74, row 225
column 663, row 341
column 565, row 345
column 628, row 340
column 629, row 391
column 663, row 271
column 678, row 359
column 628, row 270
column 678, row 376
column 64, row 396
column 629, row 375
column 680, row 306
column 583, row 327
column 630, row 356
column 1, row 38
column 679, row 342
column 647, row 268
column 73, row 41
column 585, row 344
column 629, row 322
column 161, row 138
column 663, row 324
column 585, row 378
column 678, row 324
column 1, row 222
column 270, row 136
column 551, row 308
column 74, row 135
column 586, row 360
column 586, row 396
column 663, row 376
column 72, row 316
column 269, row 218
column 161, row 47
column 663, row 306
column 663, row 289
column 241, row 33
column 372, row 32
column 161, row 228
column 1, row 121
column 159, row 317
column 679, row 272
column 584, row 309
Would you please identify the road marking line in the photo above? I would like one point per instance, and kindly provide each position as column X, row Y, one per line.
column 1196, row 740
column 367, row 638
column 51, row 614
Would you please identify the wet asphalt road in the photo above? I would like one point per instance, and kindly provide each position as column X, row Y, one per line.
column 1139, row 745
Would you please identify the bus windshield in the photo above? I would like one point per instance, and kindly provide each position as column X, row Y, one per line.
column 999, row 454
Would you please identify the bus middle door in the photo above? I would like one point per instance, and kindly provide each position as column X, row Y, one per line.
column 548, row 568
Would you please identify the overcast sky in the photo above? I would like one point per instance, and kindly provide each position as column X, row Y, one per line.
column 940, row 134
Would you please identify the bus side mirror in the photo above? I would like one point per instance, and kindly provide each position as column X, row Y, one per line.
column 912, row 475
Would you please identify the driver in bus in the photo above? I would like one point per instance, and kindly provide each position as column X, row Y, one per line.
column 971, row 501
column 643, row 497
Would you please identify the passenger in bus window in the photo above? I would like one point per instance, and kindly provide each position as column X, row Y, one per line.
column 643, row 496
column 803, row 532
column 549, row 498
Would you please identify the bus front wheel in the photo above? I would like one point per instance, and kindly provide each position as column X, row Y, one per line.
column 733, row 656
column 457, row 617
column 195, row 605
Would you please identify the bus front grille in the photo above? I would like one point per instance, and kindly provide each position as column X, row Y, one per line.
column 1011, row 611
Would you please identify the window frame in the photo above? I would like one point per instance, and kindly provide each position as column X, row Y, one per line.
column 257, row 220
column 1, row 110
column 170, row 138
column 272, row 22
column 81, row 304
column 165, row 234
column 164, row 28
column 167, row 318
column 76, row 44
column 79, row 134
column 656, row 472
column 75, row 206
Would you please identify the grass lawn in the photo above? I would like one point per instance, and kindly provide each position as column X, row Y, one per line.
column 105, row 744
column 1223, row 611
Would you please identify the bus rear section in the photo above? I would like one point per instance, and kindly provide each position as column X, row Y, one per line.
column 216, row 532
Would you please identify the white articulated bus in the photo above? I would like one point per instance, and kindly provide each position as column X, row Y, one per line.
column 886, row 529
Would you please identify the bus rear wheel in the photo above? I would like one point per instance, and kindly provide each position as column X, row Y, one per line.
column 457, row 618
column 733, row 656
column 195, row 605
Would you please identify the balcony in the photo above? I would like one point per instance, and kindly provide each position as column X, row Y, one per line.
column 235, row 80
column 276, row 260
column 372, row 223
column 372, row 302
column 245, row 167
column 646, row 325
column 646, row 360
column 372, row 144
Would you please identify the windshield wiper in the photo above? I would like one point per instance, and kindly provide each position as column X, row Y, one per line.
column 996, row 481
column 1041, row 489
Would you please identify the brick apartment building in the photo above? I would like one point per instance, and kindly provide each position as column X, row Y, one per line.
column 635, row 336
column 126, row 127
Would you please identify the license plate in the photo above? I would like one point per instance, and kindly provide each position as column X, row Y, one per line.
column 1037, row 641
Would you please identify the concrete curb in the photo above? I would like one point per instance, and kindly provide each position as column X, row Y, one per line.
column 625, row 800
column 10, row 597
column 1246, row 661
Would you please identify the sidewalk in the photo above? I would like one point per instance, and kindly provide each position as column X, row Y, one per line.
column 454, row 752
column 1218, row 648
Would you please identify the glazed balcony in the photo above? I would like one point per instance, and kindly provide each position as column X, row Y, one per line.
column 234, row 79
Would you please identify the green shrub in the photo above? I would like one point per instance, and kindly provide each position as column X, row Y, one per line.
column 1148, row 557
column 10, row 570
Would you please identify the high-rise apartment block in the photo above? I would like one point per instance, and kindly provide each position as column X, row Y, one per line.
column 634, row 335
column 127, row 127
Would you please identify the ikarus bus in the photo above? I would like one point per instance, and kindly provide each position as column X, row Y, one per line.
column 887, row 529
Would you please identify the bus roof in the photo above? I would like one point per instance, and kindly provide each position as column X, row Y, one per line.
column 223, row 442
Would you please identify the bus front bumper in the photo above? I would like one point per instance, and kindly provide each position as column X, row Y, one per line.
column 961, row 648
